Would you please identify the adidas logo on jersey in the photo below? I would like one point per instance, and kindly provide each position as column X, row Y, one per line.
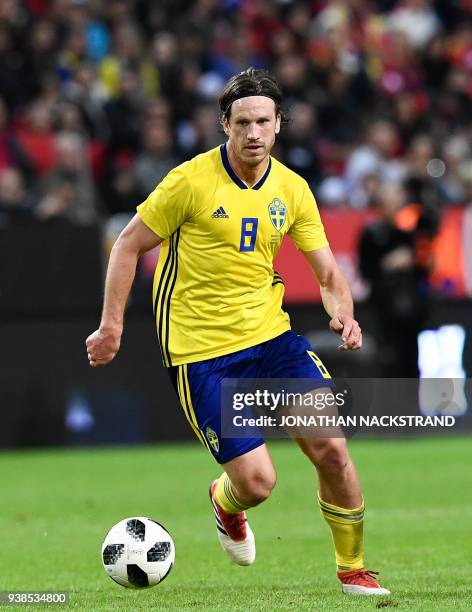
column 220, row 213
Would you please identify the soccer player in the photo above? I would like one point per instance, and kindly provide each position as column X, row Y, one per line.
column 221, row 218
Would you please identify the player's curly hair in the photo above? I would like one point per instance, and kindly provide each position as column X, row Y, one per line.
column 251, row 82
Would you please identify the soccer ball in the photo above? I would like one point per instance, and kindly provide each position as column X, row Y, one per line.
column 138, row 553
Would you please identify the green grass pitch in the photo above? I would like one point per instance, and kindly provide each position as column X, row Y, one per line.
column 57, row 506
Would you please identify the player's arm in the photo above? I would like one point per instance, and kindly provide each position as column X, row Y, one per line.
column 134, row 240
column 337, row 298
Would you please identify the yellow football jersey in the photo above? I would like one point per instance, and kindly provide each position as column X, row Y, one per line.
column 215, row 289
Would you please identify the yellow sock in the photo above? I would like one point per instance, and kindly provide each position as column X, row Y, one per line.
column 347, row 528
column 225, row 497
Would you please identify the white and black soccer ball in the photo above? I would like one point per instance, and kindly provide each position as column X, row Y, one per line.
column 138, row 553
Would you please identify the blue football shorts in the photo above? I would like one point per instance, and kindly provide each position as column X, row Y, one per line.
column 198, row 386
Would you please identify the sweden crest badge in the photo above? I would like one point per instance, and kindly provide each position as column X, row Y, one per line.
column 213, row 439
column 277, row 213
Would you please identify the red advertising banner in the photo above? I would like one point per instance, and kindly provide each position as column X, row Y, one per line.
column 451, row 275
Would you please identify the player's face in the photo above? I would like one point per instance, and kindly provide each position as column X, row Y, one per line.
column 252, row 128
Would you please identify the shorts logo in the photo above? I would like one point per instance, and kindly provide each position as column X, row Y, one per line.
column 277, row 213
column 212, row 439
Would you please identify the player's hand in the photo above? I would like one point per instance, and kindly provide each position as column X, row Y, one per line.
column 102, row 346
column 349, row 330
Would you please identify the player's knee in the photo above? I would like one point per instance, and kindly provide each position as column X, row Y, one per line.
column 258, row 487
column 329, row 455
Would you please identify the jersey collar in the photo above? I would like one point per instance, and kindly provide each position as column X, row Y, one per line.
column 234, row 177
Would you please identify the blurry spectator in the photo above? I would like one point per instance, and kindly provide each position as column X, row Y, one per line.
column 15, row 207
column 435, row 63
column 417, row 20
column 89, row 95
column 410, row 118
column 155, row 161
column 68, row 118
column 298, row 141
column 166, row 57
column 263, row 23
column 73, row 52
column 36, row 137
column 232, row 51
column 119, row 11
column 40, row 61
column 118, row 185
column 298, row 20
column 374, row 158
column 209, row 85
column 158, row 111
column 423, row 167
column 58, row 202
column 49, row 91
column 419, row 154
column 123, row 113
column 200, row 135
column 11, row 151
column 467, row 179
column 342, row 65
column 194, row 43
column 128, row 56
column 332, row 192
column 400, row 70
column 81, row 15
column 457, row 155
column 11, row 12
column 202, row 14
column 69, row 192
column 454, row 105
column 337, row 117
column 12, row 83
column 187, row 97
column 284, row 44
column 292, row 74
column 388, row 262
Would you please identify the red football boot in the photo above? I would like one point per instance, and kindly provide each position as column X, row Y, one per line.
column 234, row 533
column 361, row 582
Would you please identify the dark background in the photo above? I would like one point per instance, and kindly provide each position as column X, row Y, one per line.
column 51, row 300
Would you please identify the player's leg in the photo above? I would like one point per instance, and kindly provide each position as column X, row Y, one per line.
column 249, row 474
column 246, row 482
column 339, row 492
column 342, row 506
column 291, row 357
column 338, row 482
column 339, row 497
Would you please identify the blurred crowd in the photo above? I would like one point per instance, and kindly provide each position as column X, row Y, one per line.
column 100, row 99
